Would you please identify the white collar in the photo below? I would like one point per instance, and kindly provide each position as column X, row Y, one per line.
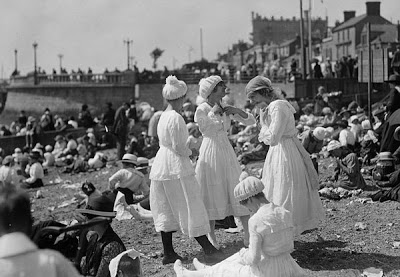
column 16, row 243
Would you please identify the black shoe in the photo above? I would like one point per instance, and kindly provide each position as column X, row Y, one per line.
column 171, row 258
column 214, row 257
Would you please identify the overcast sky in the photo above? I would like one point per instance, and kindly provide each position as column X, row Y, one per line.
column 91, row 32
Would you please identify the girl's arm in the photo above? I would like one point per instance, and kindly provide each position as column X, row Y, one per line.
column 272, row 134
column 179, row 135
column 252, row 255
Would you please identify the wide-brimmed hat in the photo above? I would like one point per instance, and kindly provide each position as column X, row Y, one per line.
column 114, row 263
column 333, row 145
column 385, row 156
column 99, row 206
column 142, row 163
column 319, row 133
column 130, row 158
column 396, row 134
column 394, row 78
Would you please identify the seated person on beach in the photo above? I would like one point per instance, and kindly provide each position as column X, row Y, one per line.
column 131, row 185
column 59, row 146
column 313, row 142
column 98, row 247
column 271, row 241
column 348, row 169
column 35, row 171
column 19, row 256
column 49, row 159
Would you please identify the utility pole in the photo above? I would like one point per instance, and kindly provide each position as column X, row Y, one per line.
column 16, row 60
column 303, row 50
column 60, row 56
column 310, row 51
column 128, row 42
column 369, row 70
column 35, row 45
column 190, row 51
column 201, row 43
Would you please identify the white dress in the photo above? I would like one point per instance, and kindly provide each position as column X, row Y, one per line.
column 289, row 176
column 271, row 241
column 218, row 169
column 175, row 198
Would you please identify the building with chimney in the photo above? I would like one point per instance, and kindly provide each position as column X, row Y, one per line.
column 347, row 35
column 278, row 30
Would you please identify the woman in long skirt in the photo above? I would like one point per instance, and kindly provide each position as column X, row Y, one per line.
column 289, row 176
column 217, row 168
column 175, row 198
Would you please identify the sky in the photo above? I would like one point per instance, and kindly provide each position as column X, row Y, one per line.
column 91, row 33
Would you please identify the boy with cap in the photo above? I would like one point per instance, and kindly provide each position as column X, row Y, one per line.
column 19, row 256
column 131, row 185
column 348, row 170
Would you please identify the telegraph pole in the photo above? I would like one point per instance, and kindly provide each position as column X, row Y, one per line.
column 35, row 45
column 128, row 42
column 369, row 70
column 201, row 42
column 16, row 60
column 310, row 52
column 60, row 56
column 303, row 52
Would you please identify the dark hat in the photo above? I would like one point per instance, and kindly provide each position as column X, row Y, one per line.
column 394, row 78
column 342, row 123
column 99, row 206
column 34, row 155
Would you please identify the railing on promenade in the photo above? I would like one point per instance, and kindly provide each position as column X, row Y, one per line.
column 103, row 78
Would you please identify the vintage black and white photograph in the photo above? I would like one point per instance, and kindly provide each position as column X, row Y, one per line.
column 200, row 138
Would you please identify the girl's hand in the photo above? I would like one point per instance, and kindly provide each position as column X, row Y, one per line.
column 217, row 109
column 231, row 110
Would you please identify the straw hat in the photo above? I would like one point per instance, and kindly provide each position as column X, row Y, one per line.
column 130, row 158
column 385, row 156
column 99, row 206
column 114, row 263
column 319, row 133
column 142, row 163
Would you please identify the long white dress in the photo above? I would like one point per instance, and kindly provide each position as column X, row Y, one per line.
column 218, row 169
column 175, row 198
column 271, row 241
column 289, row 177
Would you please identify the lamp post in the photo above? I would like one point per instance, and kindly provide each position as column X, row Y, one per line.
column 16, row 61
column 35, row 45
column 60, row 56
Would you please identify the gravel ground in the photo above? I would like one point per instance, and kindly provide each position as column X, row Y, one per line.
column 357, row 233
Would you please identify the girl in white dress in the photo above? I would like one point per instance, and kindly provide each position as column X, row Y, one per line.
column 271, row 241
column 290, row 178
column 217, row 168
column 175, row 198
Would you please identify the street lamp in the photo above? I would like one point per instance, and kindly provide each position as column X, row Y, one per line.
column 35, row 45
column 60, row 56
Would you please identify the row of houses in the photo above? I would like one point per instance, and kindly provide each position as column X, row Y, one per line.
column 279, row 40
